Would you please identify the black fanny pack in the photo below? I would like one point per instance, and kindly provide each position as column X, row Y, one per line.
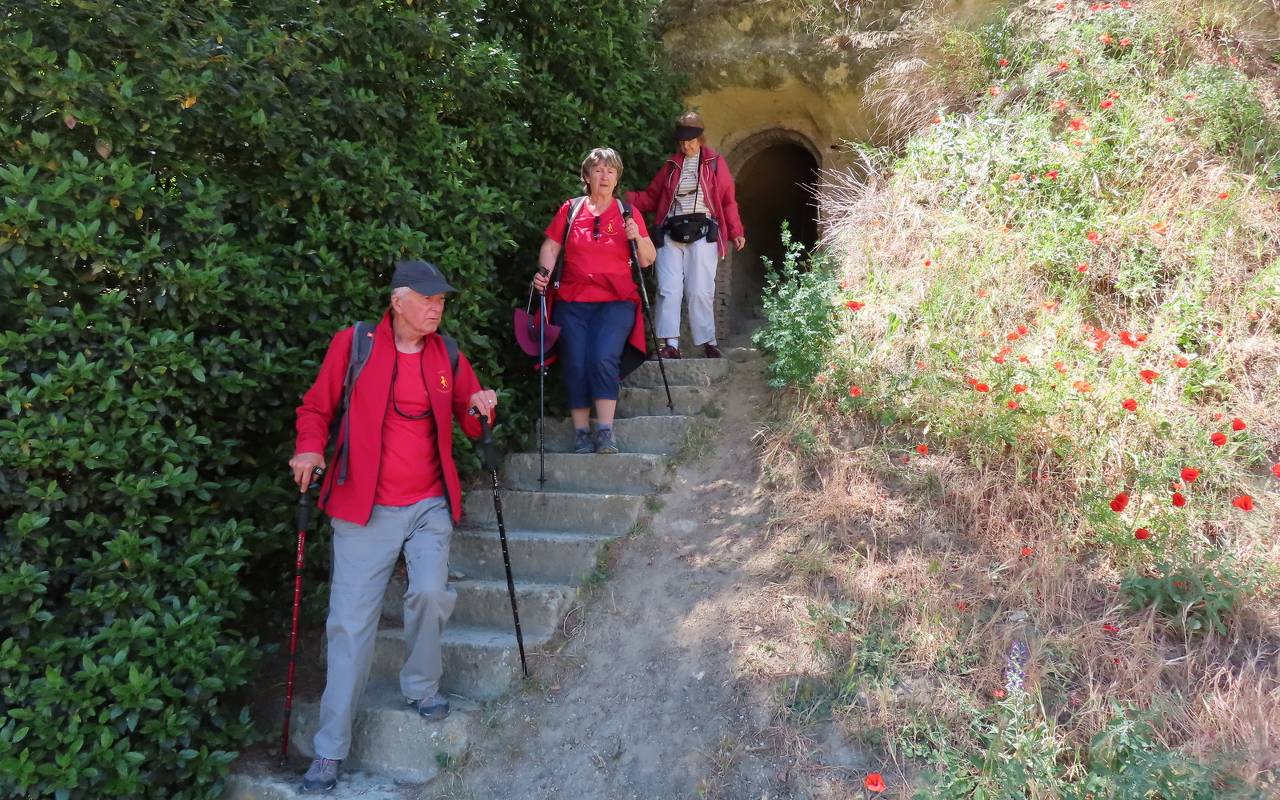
column 687, row 228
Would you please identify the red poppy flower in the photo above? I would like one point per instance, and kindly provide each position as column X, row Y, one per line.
column 1025, row 552
column 1022, row 330
column 1084, row 387
column 1218, row 438
column 1058, row 105
column 1113, row 94
column 1130, row 404
column 1051, row 175
column 1120, row 502
column 874, row 782
column 1160, row 227
column 928, row 262
column 920, row 365
column 1105, row 104
column 854, row 305
column 981, row 387
column 1190, row 96
column 1109, row 628
column 984, row 334
column 1275, row 470
column 1170, row 119
column 937, row 119
column 1126, row 5
column 994, row 91
column 1126, row 41
column 998, row 694
column 1237, row 424
column 1181, row 362
column 1059, row 6
column 922, row 449
column 1063, row 66
column 1060, row 367
column 1148, row 376
column 855, row 391
column 1013, row 405
column 1082, row 267
column 983, row 293
column 1004, row 62
column 1019, row 388
column 1141, row 534
column 1189, row 474
column 1127, row 338
column 1017, row 176
column 961, row 605
column 1105, row 38
column 1243, row 502
column 1078, row 124
column 1179, row 500
column 1223, row 195
column 1093, row 236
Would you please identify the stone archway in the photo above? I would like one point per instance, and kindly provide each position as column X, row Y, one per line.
column 775, row 172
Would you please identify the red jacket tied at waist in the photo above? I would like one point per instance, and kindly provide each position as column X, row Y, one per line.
column 449, row 396
column 716, row 185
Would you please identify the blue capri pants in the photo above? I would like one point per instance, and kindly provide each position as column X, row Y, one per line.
column 592, row 336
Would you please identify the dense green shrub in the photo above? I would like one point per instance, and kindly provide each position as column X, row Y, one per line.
column 195, row 196
column 798, row 306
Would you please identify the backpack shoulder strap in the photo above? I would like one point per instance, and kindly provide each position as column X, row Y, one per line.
column 362, row 339
column 575, row 206
column 451, row 347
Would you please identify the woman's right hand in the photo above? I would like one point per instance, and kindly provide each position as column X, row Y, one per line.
column 541, row 279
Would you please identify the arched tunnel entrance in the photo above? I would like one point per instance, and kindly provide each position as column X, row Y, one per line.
column 775, row 182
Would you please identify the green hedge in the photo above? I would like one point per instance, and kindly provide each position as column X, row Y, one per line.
column 195, row 196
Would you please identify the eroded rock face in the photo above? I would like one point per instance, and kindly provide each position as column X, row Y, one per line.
column 756, row 66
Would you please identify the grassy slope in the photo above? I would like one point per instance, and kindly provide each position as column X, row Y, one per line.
column 1090, row 193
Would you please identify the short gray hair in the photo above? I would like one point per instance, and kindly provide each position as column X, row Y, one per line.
column 601, row 155
column 400, row 291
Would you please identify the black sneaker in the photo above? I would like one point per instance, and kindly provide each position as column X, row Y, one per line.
column 433, row 708
column 321, row 777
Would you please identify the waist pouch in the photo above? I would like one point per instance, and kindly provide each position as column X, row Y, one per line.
column 686, row 228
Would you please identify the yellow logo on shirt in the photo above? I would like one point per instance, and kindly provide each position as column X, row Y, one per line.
column 610, row 229
column 444, row 382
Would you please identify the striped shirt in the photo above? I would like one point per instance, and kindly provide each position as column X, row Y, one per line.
column 689, row 199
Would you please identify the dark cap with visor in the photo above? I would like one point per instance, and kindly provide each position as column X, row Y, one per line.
column 686, row 132
column 421, row 276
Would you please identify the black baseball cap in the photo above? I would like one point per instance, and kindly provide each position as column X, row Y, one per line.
column 421, row 276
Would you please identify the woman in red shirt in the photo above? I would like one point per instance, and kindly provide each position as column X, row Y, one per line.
column 597, row 303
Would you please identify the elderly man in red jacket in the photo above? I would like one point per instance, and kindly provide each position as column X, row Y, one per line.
column 395, row 489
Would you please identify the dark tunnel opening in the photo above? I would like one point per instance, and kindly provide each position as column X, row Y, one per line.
column 774, row 185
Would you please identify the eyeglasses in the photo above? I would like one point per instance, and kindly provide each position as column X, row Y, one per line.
column 595, row 232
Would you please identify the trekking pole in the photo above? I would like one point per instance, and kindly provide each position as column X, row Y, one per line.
column 542, row 381
column 491, row 464
column 303, row 517
column 648, row 313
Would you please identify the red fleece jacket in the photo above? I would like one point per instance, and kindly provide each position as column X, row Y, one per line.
column 449, row 396
column 717, row 187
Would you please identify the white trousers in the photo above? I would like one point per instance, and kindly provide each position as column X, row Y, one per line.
column 687, row 271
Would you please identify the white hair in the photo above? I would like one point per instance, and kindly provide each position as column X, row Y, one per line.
column 400, row 291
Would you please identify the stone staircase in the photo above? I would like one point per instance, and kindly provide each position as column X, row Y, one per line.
column 556, row 537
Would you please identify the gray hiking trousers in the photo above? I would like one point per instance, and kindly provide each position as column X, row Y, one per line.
column 363, row 558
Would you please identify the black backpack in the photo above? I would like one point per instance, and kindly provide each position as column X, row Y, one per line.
column 361, row 348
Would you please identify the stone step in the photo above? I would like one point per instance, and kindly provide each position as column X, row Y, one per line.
column 486, row 602
column 352, row 785
column 681, row 372
column 659, row 435
column 638, row 402
column 556, row 511
column 388, row 737
column 536, row 556
column 622, row 473
column 480, row 663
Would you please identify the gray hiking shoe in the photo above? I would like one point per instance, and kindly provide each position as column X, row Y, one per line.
column 433, row 708
column 582, row 442
column 605, row 443
column 321, row 777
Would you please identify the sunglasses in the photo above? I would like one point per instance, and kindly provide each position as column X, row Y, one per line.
column 595, row 232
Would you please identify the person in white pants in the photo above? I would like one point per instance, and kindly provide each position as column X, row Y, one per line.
column 695, row 206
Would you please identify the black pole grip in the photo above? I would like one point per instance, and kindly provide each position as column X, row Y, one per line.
column 486, row 441
column 304, row 499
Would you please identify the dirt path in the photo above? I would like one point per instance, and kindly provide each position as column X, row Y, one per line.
column 643, row 700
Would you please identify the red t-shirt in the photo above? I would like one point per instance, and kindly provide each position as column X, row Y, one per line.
column 410, row 468
column 596, row 269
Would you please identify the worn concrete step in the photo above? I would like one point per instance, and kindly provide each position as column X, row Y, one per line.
column 536, row 556
column 660, row 435
column 682, row 372
column 388, row 737
column 480, row 663
column 486, row 602
column 556, row 511
column 638, row 402
column 276, row 785
column 621, row 473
